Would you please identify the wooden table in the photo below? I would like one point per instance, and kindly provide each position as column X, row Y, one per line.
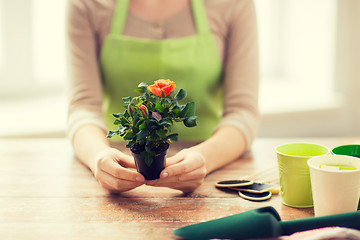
column 47, row 194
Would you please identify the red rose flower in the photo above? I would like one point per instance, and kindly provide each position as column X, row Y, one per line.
column 161, row 85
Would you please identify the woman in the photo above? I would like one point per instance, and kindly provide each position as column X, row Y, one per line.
column 204, row 46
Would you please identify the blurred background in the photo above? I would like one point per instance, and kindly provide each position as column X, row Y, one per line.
column 309, row 55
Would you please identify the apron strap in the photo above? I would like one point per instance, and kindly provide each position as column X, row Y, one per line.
column 119, row 17
column 121, row 10
column 200, row 17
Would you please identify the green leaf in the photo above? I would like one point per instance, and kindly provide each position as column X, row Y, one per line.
column 117, row 122
column 140, row 90
column 122, row 128
column 153, row 98
column 161, row 133
column 167, row 100
column 122, row 131
column 136, row 119
column 147, row 157
column 188, row 111
column 180, row 95
column 126, row 114
column 128, row 135
column 152, row 124
column 126, row 99
column 142, row 126
column 142, row 134
column 159, row 108
column 163, row 94
column 124, row 122
column 148, row 160
column 165, row 121
column 190, row 122
column 173, row 137
column 143, row 85
column 112, row 133
column 130, row 144
column 118, row 115
column 148, row 147
column 176, row 111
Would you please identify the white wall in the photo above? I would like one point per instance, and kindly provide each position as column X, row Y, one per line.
column 341, row 115
column 295, row 112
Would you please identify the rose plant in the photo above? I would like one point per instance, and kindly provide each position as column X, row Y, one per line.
column 147, row 119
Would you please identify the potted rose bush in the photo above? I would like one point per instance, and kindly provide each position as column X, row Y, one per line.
column 146, row 124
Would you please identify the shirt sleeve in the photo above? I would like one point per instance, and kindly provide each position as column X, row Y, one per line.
column 84, row 82
column 241, row 71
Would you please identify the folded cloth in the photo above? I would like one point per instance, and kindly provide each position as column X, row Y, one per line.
column 327, row 233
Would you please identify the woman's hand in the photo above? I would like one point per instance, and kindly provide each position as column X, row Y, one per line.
column 113, row 170
column 185, row 171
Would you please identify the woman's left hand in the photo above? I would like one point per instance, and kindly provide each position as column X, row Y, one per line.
column 185, row 171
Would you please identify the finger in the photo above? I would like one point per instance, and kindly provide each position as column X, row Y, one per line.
column 151, row 182
column 174, row 159
column 187, row 165
column 198, row 173
column 111, row 183
column 113, row 168
column 126, row 161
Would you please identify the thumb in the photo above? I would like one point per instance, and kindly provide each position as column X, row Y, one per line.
column 174, row 159
column 125, row 160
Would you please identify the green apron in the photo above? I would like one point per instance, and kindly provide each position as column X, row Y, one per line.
column 191, row 62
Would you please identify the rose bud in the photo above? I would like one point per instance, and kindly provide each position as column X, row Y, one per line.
column 144, row 112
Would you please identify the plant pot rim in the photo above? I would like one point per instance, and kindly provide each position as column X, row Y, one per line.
column 157, row 153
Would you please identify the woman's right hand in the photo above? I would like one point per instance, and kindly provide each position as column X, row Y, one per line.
column 115, row 171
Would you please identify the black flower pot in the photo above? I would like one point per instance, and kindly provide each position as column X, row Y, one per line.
column 153, row 171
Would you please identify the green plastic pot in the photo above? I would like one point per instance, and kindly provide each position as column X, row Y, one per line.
column 349, row 150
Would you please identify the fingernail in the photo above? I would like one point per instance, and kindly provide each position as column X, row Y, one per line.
column 139, row 179
column 164, row 175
